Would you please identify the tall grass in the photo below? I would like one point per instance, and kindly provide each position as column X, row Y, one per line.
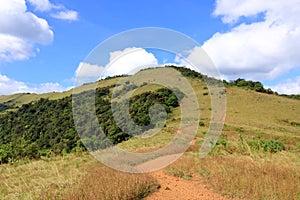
column 243, row 176
column 105, row 183
column 71, row 177
column 31, row 180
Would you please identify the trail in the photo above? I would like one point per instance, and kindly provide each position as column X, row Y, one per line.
column 178, row 188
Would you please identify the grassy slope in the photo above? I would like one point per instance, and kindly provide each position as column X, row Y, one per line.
column 233, row 169
column 23, row 98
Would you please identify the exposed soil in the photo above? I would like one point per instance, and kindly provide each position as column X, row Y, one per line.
column 178, row 188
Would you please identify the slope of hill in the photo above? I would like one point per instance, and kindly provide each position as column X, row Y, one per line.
column 256, row 156
column 46, row 126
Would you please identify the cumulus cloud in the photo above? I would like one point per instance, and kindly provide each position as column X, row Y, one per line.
column 264, row 47
column 290, row 86
column 19, row 30
column 127, row 61
column 66, row 15
column 14, row 48
column 10, row 86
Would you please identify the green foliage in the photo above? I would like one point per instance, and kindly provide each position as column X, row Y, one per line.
column 258, row 87
column 46, row 127
column 292, row 123
column 193, row 74
column 201, row 123
column 4, row 107
column 37, row 127
column 292, row 96
column 295, row 123
column 271, row 146
column 188, row 72
column 222, row 142
column 251, row 85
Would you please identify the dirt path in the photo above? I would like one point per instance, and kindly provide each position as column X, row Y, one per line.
column 178, row 188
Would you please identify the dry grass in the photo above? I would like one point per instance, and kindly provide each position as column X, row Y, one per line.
column 31, row 180
column 104, row 183
column 252, row 179
column 244, row 177
column 71, row 177
column 147, row 144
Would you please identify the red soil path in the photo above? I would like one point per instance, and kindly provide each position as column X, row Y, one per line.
column 181, row 189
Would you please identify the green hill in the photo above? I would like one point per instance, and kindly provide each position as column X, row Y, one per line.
column 256, row 156
column 34, row 125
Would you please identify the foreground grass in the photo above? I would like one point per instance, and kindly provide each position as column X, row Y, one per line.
column 238, row 169
column 71, row 177
column 104, row 183
column 265, row 176
column 32, row 180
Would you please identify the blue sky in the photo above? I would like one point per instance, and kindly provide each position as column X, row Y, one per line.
column 42, row 42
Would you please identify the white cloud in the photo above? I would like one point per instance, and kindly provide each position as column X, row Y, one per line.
column 19, row 30
column 10, row 86
column 87, row 73
column 290, row 86
column 41, row 5
column 262, row 49
column 14, row 48
column 198, row 60
column 88, row 70
column 232, row 10
column 127, row 61
column 60, row 13
column 47, row 87
column 66, row 15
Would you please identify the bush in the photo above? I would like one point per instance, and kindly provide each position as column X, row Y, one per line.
column 271, row 146
column 201, row 123
column 295, row 123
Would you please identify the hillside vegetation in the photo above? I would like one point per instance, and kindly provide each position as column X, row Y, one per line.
column 256, row 156
column 46, row 126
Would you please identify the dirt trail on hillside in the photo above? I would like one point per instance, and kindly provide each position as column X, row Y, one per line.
column 178, row 188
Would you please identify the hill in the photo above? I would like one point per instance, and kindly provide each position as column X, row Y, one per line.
column 256, row 157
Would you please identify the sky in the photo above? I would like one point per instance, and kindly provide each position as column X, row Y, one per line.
column 44, row 43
